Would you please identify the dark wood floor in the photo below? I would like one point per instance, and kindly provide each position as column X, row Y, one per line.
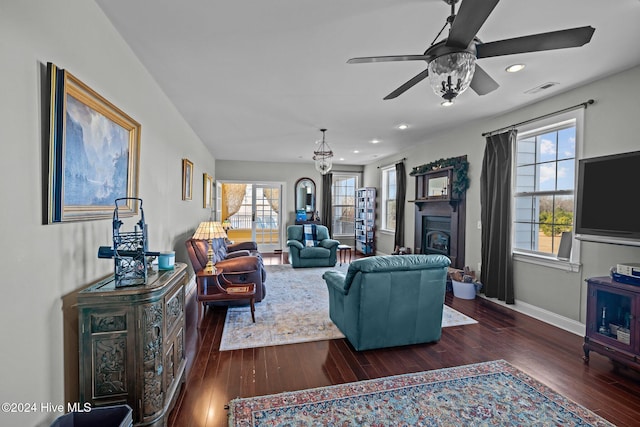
column 551, row 355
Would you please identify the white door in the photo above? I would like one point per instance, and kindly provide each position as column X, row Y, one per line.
column 267, row 216
column 254, row 213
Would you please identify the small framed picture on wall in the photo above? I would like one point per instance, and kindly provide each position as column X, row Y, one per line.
column 187, row 179
column 207, row 190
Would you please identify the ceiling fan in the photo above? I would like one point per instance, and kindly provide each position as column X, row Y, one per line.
column 451, row 62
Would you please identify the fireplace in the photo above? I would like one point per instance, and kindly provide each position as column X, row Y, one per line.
column 440, row 229
column 441, row 210
column 436, row 235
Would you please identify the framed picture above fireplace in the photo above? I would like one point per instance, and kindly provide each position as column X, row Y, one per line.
column 434, row 185
column 438, row 184
column 455, row 169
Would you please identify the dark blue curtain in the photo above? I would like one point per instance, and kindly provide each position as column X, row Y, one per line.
column 495, row 201
column 327, row 217
column 401, row 190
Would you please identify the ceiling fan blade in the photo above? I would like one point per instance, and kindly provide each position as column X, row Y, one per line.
column 573, row 37
column 391, row 58
column 408, row 85
column 470, row 17
column 482, row 83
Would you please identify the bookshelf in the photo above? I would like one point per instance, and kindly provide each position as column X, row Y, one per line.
column 365, row 225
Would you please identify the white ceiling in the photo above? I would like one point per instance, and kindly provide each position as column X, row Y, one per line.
column 257, row 79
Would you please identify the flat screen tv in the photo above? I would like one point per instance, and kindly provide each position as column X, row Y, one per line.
column 608, row 192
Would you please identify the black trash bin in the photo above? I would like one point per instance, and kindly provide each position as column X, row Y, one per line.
column 106, row 416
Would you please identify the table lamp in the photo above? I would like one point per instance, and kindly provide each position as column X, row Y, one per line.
column 209, row 230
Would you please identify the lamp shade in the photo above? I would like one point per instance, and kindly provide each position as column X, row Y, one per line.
column 451, row 74
column 208, row 230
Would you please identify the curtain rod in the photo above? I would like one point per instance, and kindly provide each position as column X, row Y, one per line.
column 386, row 166
column 564, row 110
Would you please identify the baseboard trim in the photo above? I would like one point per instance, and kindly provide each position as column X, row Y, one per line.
column 543, row 315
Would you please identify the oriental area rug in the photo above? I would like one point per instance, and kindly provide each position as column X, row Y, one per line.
column 295, row 309
column 483, row 394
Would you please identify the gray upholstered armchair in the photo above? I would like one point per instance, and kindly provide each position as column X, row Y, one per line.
column 386, row 301
column 305, row 253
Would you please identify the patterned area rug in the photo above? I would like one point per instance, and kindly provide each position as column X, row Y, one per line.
column 483, row 394
column 296, row 309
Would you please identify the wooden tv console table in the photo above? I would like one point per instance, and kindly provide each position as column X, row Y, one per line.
column 131, row 344
column 613, row 316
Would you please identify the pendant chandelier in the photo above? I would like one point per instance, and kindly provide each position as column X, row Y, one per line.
column 322, row 156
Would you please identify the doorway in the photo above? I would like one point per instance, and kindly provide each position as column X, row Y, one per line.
column 251, row 211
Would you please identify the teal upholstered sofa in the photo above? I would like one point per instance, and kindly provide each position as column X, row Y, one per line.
column 300, row 255
column 387, row 301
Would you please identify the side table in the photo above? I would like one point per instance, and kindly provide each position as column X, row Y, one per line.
column 210, row 289
column 341, row 253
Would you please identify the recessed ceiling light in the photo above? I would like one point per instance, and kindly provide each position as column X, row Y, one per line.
column 342, row 159
column 375, row 141
column 514, row 68
column 403, row 126
column 356, row 151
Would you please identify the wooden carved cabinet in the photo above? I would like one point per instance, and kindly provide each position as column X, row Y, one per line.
column 132, row 344
column 613, row 311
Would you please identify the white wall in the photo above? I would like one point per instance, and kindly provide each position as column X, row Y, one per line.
column 611, row 126
column 45, row 262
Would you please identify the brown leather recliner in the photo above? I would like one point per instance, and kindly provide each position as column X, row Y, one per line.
column 240, row 262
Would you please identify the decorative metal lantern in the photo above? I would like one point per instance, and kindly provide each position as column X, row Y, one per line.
column 129, row 250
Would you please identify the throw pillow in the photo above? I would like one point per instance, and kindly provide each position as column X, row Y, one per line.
column 310, row 235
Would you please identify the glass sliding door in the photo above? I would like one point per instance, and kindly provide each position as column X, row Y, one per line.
column 266, row 227
column 253, row 213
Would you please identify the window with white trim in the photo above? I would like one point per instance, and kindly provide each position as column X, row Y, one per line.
column 343, row 193
column 389, row 198
column 545, row 171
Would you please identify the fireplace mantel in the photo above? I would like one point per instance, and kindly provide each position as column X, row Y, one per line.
column 428, row 204
column 423, row 203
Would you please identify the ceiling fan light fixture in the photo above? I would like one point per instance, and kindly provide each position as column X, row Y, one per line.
column 447, row 103
column 451, row 74
column 322, row 156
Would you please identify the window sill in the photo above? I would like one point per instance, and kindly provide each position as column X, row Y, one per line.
column 547, row 261
column 390, row 232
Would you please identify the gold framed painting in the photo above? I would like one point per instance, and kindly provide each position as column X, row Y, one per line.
column 207, row 190
column 94, row 153
column 187, row 179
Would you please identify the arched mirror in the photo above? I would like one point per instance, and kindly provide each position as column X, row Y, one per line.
column 306, row 196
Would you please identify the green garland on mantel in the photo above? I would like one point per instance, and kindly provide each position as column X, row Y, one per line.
column 460, row 166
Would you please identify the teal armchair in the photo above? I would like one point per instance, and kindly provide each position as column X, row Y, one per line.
column 300, row 255
column 388, row 301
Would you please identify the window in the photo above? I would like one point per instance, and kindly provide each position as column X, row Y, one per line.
column 389, row 198
column 343, row 193
column 544, row 184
